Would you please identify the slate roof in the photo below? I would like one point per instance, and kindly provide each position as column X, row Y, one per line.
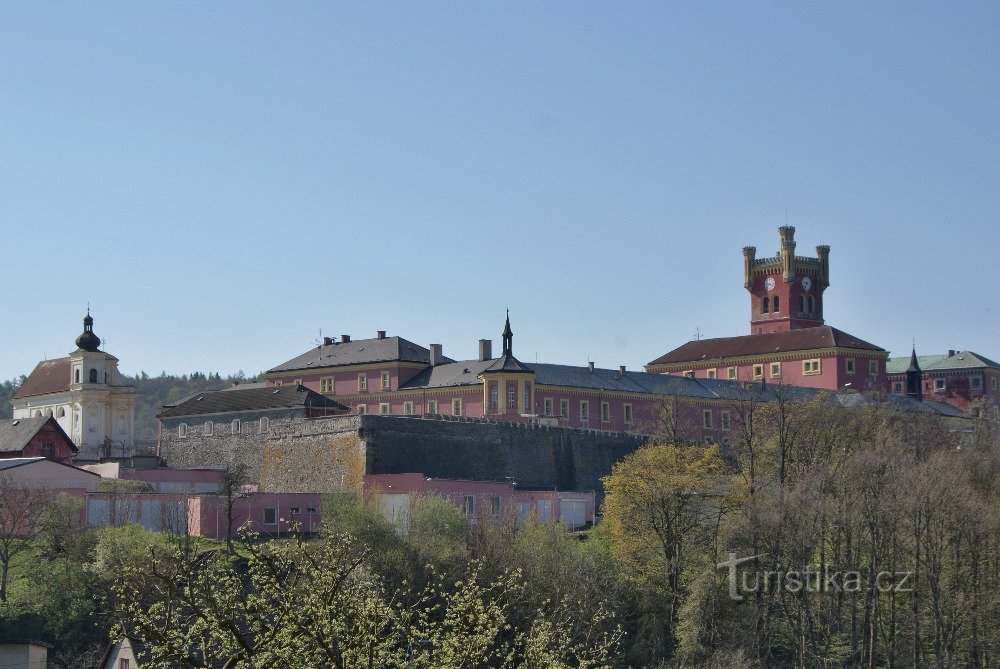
column 507, row 363
column 48, row 376
column 765, row 343
column 10, row 463
column 903, row 403
column 251, row 399
column 938, row 363
column 460, row 373
column 16, row 433
column 359, row 351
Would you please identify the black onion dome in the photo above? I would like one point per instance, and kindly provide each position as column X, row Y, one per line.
column 88, row 341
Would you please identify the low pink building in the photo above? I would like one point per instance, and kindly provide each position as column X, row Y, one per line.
column 481, row 501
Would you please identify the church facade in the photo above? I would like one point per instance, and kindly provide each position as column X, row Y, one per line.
column 86, row 394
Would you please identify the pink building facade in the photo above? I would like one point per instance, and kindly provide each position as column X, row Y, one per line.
column 481, row 501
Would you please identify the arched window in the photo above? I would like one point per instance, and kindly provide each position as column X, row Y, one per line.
column 263, row 424
column 775, row 304
column 802, row 304
column 93, row 376
column 77, row 376
column 48, row 412
column 61, row 412
column 812, row 304
column 764, row 306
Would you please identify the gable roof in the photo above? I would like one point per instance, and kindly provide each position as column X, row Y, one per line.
column 357, row 352
column 17, row 432
column 459, row 373
column 936, row 363
column 48, row 376
column 251, row 399
column 803, row 339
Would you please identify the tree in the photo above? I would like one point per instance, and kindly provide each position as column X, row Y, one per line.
column 233, row 487
column 292, row 605
column 659, row 500
column 20, row 509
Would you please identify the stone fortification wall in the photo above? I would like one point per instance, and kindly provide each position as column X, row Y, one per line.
column 300, row 454
column 292, row 454
column 534, row 456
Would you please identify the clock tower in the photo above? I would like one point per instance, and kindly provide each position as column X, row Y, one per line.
column 786, row 290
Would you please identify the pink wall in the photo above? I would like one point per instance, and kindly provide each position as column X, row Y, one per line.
column 513, row 502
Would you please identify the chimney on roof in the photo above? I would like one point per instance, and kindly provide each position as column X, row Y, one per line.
column 380, row 334
column 951, row 352
column 345, row 338
column 621, row 369
column 590, row 366
column 327, row 341
column 485, row 349
column 437, row 355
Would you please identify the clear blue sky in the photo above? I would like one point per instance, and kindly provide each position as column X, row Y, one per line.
column 221, row 180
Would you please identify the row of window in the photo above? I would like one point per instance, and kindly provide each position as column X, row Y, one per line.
column 773, row 305
column 271, row 513
column 327, row 385
column 385, row 409
column 809, row 368
column 975, row 383
column 725, row 420
column 235, row 427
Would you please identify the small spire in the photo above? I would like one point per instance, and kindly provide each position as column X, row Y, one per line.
column 914, row 365
column 508, row 337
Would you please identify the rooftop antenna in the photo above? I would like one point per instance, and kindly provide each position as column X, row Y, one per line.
column 786, row 214
column 697, row 334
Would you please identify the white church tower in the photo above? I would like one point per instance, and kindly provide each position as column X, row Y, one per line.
column 89, row 397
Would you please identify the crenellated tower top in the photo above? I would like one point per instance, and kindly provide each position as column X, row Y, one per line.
column 786, row 289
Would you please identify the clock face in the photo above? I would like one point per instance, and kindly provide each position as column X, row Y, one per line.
column 806, row 284
column 769, row 283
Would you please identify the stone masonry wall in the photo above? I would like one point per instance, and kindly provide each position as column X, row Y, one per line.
column 324, row 454
column 534, row 456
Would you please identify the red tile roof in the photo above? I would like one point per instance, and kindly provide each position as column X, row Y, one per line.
column 49, row 376
column 804, row 339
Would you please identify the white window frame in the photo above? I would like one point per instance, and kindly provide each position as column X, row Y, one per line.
column 897, row 387
column 711, row 374
column 605, row 412
column 939, row 384
column 182, row 430
column 758, row 371
column 812, row 367
column 432, row 406
column 235, row 427
column 362, row 409
column 706, row 418
column 362, row 382
column 564, row 409
column 547, row 404
column 584, row 410
column 976, row 383
column 732, row 373
column 627, row 414
column 849, row 366
column 408, row 408
column 873, row 368
column 208, row 429
column 326, row 385
column 456, row 406
column 385, row 380
column 384, row 409
column 263, row 425
column 775, row 370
